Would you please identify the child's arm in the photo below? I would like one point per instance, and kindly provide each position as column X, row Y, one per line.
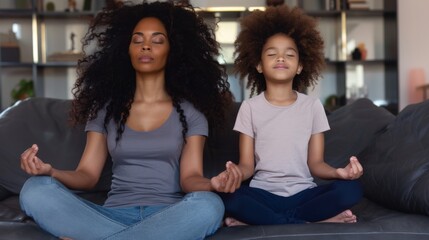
column 319, row 168
column 247, row 156
column 230, row 179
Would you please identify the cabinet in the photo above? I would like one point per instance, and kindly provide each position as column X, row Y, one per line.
column 42, row 44
column 42, row 34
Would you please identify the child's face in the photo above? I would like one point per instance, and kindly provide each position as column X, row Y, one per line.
column 279, row 59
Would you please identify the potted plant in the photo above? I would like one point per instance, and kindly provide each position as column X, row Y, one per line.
column 24, row 89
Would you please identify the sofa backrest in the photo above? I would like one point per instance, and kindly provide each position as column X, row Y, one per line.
column 43, row 121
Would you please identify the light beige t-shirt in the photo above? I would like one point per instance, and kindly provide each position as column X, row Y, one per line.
column 281, row 135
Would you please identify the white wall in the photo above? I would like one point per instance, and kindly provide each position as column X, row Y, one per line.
column 413, row 43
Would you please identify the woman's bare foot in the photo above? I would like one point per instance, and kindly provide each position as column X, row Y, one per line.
column 230, row 222
column 345, row 217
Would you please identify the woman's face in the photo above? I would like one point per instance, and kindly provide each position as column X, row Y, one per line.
column 279, row 59
column 149, row 46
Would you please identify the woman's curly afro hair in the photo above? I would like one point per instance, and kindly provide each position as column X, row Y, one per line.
column 258, row 26
column 107, row 78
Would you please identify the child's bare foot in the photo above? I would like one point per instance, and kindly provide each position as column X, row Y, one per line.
column 345, row 217
column 230, row 222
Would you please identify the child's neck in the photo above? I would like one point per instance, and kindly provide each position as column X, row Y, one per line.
column 280, row 96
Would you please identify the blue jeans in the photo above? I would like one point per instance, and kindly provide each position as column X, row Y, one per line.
column 259, row 207
column 64, row 214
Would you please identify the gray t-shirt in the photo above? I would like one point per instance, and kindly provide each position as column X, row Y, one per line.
column 146, row 163
column 281, row 135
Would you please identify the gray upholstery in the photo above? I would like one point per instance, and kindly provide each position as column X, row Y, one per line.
column 397, row 162
column 392, row 149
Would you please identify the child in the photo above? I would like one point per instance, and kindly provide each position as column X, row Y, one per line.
column 281, row 129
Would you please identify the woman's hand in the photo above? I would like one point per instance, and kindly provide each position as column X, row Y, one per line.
column 353, row 170
column 229, row 180
column 32, row 165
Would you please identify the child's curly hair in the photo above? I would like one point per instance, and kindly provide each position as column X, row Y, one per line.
column 258, row 26
column 106, row 77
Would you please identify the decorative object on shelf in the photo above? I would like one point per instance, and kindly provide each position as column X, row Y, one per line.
column 68, row 56
column 416, row 79
column 356, row 54
column 71, row 6
column 24, row 89
column 363, row 51
column 50, row 7
column 9, row 47
column 86, row 5
column 22, row 4
column 331, row 103
column 360, row 52
column 274, row 2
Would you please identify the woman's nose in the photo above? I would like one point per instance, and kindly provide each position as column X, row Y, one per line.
column 146, row 48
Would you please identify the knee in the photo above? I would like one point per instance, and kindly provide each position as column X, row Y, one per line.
column 33, row 191
column 351, row 191
column 208, row 203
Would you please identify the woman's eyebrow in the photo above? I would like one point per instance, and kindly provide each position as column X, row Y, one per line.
column 153, row 34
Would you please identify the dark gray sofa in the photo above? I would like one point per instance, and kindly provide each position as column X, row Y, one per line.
column 394, row 151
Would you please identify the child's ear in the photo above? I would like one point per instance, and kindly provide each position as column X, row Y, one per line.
column 259, row 68
column 299, row 69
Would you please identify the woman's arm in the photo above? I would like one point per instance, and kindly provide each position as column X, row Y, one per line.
column 87, row 173
column 191, row 166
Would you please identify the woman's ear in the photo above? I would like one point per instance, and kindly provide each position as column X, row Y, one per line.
column 259, row 68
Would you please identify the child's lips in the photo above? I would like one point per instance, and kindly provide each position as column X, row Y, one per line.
column 280, row 66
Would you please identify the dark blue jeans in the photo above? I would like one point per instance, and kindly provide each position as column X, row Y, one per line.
column 256, row 206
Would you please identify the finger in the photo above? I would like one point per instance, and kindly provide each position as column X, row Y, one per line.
column 358, row 165
column 30, row 161
column 354, row 170
column 234, row 177
column 25, row 159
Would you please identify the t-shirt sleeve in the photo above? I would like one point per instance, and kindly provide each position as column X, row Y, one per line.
column 96, row 124
column 320, row 121
column 197, row 122
column 243, row 122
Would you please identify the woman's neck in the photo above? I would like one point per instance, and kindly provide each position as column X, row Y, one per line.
column 150, row 90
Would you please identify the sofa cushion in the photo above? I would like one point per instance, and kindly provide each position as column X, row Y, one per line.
column 397, row 163
column 353, row 127
column 45, row 122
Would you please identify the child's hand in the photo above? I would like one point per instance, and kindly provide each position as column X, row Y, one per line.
column 353, row 170
column 229, row 180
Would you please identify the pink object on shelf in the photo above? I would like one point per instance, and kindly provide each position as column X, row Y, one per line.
column 416, row 78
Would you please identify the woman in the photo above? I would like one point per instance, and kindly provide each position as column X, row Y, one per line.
column 148, row 93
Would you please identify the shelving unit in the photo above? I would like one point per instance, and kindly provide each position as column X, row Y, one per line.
column 44, row 33
column 41, row 34
column 375, row 77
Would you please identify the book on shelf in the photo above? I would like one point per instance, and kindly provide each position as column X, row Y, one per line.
column 330, row 5
column 357, row 5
